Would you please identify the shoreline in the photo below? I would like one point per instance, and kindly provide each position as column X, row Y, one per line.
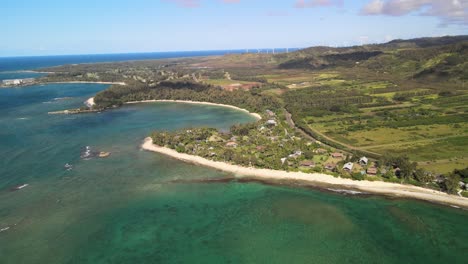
column 119, row 83
column 256, row 115
column 316, row 179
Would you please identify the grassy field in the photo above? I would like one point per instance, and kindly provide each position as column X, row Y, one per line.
column 398, row 117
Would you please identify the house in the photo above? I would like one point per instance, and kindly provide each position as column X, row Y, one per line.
column 320, row 151
column 337, row 155
column 231, row 144
column 439, row 179
column 296, row 154
column 348, row 166
column 307, row 163
column 397, row 172
column 372, row 171
column 270, row 113
column 363, row 161
column 271, row 122
column 260, row 148
column 330, row 166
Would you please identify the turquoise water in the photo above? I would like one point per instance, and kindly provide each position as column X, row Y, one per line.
column 141, row 207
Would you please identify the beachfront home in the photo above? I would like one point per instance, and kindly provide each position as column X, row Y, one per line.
column 270, row 113
column 296, row 154
column 348, row 166
column 363, row 161
column 372, row 171
column 337, row 155
column 307, row 163
column 231, row 144
column 271, row 122
column 439, row 179
column 330, row 166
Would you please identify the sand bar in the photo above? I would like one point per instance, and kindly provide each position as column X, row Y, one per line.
column 317, row 179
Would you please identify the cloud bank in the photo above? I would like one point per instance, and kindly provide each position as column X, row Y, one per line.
column 449, row 11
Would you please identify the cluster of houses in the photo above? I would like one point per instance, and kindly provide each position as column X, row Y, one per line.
column 271, row 118
column 349, row 166
column 16, row 82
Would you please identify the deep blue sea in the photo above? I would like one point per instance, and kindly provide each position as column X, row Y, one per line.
column 12, row 67
column 142, row 207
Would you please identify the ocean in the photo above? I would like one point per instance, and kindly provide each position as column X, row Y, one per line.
column 142, row 207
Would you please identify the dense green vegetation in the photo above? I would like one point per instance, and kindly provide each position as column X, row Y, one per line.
column 176, row 90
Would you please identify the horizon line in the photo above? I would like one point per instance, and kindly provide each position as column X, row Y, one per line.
column 154, row 52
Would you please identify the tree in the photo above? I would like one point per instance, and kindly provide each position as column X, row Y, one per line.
column 421, row 176
column 451, row 182
column 309, row 154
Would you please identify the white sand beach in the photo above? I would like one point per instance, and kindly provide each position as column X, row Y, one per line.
column 317, row 179
column 257, row 116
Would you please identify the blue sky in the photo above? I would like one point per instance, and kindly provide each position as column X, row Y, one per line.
column 51, row 27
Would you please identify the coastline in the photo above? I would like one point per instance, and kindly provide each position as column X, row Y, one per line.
column 256, row 115
column 119, row 83
column 316, row 179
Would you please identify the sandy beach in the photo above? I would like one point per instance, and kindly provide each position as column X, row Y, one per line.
column 257, row 116
column 316, row 179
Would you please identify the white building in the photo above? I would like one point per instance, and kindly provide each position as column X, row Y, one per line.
column 348, row 166
column 271, row 122
column 363, row 161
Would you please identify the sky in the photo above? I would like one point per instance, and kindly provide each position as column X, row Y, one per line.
column 55, row 27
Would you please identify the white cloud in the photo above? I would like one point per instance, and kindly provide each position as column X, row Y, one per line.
column 317, row 3
column 449, row 11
